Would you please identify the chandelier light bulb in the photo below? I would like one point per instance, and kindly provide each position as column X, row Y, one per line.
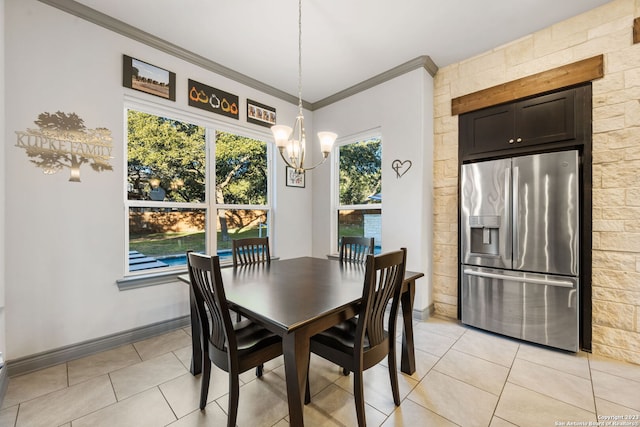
column 326, row 142
column 281, row 134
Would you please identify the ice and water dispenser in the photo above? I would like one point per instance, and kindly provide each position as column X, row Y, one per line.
column 485, row 234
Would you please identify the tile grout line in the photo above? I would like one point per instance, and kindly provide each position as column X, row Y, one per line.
column 435, row 364
column 167, row 402
column 455, row 340
column 593, row 391
column 506, row 380
column 15, row 422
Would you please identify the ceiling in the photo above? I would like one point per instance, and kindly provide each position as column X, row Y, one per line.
column 344, row 42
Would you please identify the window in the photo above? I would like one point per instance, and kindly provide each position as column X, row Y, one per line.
column 174, row 201
column 241, row 189
column 359, row 181
column 166, row 190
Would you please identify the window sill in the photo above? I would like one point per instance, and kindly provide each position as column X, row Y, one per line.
column 153, row 279
column 150, row 279
column 160, row 278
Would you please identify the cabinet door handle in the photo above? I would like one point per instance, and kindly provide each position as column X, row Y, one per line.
column 519, row 140
column 511, row 141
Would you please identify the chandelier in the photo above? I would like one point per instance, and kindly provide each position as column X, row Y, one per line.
column 291, row 142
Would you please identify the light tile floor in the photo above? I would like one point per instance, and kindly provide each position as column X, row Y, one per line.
column 464, row 377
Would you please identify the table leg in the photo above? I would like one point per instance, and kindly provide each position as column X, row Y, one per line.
column 408, row 357
column 196, row 341
column 295, row 347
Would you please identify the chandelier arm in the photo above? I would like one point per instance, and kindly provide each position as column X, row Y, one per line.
column 324, row 158
column 286, row 161
column 298, row 168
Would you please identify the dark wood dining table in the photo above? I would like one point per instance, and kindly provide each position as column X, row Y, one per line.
column 297, row 298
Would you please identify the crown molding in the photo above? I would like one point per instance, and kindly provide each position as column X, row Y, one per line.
column 91, row 15
column 419, row 62
column 81, row 11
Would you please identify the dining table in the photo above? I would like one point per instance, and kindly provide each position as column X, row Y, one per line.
column 297, row 298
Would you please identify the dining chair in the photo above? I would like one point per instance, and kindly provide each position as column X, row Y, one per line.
column 232, row 347
column 362, row 342
column 356, row 249
column 251, row 250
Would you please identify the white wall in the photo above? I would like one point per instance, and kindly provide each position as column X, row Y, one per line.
column 2, row 186
column 66, row 239
column 401, row 109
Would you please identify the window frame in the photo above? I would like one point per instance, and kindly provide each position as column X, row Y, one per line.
column 134, row 279
column 262, row 136
column 336, row 207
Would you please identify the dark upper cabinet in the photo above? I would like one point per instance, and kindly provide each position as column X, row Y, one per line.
column 486, row 130
column 540, row 120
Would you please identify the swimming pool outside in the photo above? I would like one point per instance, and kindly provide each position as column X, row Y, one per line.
column 181, row 259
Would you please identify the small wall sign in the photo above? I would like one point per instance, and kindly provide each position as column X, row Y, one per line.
column 211, row 99
column 401, row 167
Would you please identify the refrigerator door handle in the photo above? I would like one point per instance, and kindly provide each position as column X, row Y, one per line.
column 550, row 282
column 514, row 215
column 571, row 299
column 507, row 243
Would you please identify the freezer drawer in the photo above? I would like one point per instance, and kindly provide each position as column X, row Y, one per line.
column 539, row 308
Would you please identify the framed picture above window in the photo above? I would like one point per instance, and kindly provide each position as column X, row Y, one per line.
column 142, row 76
column 214, row 100
column 294, row 178
column 260, row 114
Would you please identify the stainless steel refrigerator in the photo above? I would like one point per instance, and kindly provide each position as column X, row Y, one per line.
column 519, row 247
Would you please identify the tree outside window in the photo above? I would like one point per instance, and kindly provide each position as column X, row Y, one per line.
column 166, row 159
column 170, row 208
column 360, row 189
column 241, row 188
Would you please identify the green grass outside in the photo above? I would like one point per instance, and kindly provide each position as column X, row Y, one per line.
column 351, row 230
column 162, row 244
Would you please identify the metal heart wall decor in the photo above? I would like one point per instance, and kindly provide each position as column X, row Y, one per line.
column 401, row 167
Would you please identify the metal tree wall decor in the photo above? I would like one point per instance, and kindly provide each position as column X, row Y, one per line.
column 63, row 141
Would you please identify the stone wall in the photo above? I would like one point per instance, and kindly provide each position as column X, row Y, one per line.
column 616, row 160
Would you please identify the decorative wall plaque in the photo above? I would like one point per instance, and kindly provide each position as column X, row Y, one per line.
column 211, row 99
column 62, row 141
column 260, row 114
column 401, row 167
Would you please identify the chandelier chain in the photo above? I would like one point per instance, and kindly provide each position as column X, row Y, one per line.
column 300, row 56
column 291, row 141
